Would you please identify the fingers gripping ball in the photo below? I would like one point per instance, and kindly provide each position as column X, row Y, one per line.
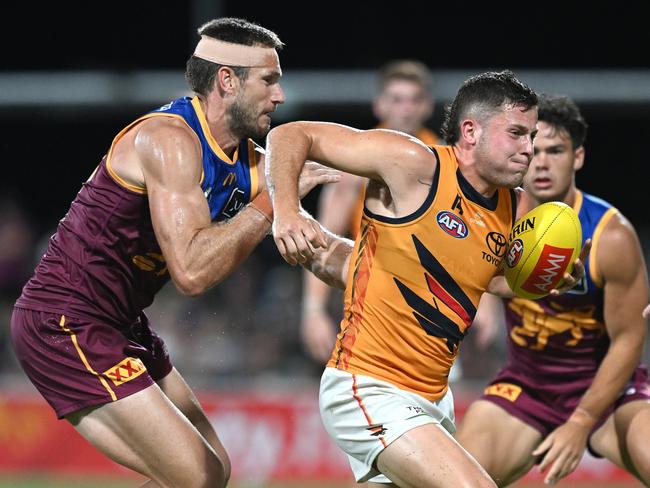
column 542, row 246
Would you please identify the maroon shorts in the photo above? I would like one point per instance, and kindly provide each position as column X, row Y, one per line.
column 547, row 407
column 80, row 362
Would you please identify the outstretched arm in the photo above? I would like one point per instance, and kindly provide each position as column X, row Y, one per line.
column 623, row 271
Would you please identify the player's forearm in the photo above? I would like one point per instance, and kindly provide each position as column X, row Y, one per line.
column 614, row 372
column 315, row 293
column 330, row 264
column 287, row 149
column 214, row 252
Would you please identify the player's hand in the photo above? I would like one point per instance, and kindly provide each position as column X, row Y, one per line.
column 562, row 449
column 571, row 280
column 318, row 334
column 315, row 174
column 297, row 236
column 646, row 312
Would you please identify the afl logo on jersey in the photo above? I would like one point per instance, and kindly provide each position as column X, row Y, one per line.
column 452, row 224
column 515, row 252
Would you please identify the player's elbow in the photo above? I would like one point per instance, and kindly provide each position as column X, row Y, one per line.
column 188, row 285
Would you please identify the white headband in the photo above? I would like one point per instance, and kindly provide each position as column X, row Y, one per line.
column 231, row 54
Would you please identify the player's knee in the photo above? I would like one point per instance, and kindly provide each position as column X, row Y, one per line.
column 205, row 471
column 216, row 472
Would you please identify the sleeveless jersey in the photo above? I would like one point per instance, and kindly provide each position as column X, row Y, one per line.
column 564, row 337
column 414, row 282
column 104, row 260
column 428, row 137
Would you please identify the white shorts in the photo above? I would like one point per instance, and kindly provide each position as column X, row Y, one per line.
column 364, row 415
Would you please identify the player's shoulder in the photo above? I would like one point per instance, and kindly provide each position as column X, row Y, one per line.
column 169, row 139
column 163, row 126
column 161, row 133
column 617, row 229
column 407, row 150
column 616, row 244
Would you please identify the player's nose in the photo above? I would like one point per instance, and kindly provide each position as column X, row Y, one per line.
column 277, row 96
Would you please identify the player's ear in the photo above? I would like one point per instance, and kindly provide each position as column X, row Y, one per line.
column 470, row 131
column 226, row 79
column 578, row 158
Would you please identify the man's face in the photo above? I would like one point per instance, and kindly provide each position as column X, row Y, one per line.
column 404, row 105
column 257, row 97
column 505, row 145
column 552, row 170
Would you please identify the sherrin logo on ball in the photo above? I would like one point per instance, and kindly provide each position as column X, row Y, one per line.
column 452, row 224
column 542, row 246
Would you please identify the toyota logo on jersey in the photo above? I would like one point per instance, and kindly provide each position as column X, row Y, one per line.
column 452, row 224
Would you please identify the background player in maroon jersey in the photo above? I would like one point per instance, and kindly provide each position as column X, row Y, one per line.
column 179, row 195
column 404, row 103
column 573, row 379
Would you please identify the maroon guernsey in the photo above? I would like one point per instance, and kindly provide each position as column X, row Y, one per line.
column 118, row 282
column 78, row 329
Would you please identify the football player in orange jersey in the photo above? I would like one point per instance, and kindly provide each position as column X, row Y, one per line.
column 403, row 103
column 415, row 275
column 573, row 379
column 177, row 198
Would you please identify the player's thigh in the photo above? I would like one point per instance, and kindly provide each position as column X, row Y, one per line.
column 623, row 438
column 427, row 456
column 181, row 395
column 147, row 433
column 500, row 442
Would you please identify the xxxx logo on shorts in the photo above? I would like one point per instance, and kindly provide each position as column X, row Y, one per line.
column 125, row 370
column 504, row 390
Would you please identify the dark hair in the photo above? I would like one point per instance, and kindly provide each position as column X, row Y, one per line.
column 563, row 114
column 200, row 73
column 483, row 95
column 405, row 69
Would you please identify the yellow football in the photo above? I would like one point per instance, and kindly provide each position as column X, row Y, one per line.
column 542, row 245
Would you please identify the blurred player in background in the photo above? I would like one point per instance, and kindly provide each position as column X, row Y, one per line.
column 179, row 195
column 404, row 102
column 573, row 380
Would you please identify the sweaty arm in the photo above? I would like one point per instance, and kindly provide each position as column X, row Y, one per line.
column 331, row 262
column 622, row 268
column 391, row 158
column 199, row 253
column 620, row 264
